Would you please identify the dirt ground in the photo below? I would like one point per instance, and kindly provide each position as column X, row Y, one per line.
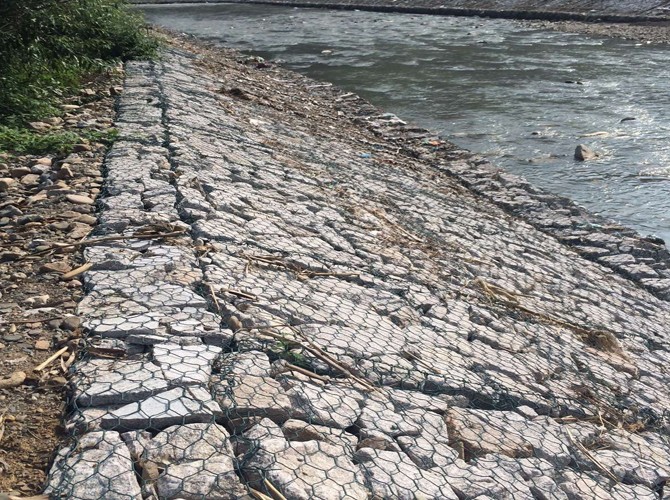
column 45, row 201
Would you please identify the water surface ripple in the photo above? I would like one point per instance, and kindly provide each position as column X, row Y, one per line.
column 496, row 87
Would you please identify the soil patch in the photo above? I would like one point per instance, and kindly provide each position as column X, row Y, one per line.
column 44, row 201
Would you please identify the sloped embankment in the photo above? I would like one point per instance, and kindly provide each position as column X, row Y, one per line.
column 295, row 298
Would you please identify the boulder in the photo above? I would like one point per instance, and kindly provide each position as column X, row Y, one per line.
column 329, row 406
column 248, row 396
column 98, row 465
column 107, row 382
column 584, row 153
column 393, row 475
column 181, row 405
column 307, row 470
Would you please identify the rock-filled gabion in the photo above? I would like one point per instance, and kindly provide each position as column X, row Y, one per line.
column 305, row 312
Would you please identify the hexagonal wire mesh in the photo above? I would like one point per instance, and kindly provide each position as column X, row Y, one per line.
column 317, row 324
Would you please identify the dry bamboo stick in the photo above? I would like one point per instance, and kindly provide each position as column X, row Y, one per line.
column 51, row 358
column 294, row 368
column 105, row 239
column 274, row 490
column 28, row 321
column 77, row 271
column 260, row 496
column 586, row 452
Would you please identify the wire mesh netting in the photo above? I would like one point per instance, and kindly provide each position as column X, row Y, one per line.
column 300, row 311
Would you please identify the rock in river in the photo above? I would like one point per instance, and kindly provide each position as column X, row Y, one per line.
column 584, row 153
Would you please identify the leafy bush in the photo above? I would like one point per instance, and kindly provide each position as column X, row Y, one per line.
column 21, row 140
column 47, row 46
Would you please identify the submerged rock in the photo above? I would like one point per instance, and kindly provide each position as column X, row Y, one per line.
column 584, row 153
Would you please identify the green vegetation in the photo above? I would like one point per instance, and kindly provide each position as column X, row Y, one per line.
column 47, row 47
column 20, row 140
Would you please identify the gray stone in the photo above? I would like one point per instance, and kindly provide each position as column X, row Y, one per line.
column 265, row 435
column 97, row 466
column 245, row 396
column 545, row 488
column 585, row 486
column 136, row 442
column 630, row 468
column 471, row 481
column 255, row 363
column 88, row 418
column 386, row 421
column 182, row 443
column 426, row 453
column 307, row 470
column 103, row 382
column 186, row 364
column 508, row 433
column 583, row 153
column 329, row 406
column 149, row 340
column 297, row 430
column 115, row 347
column 640, row 271
column 189, row 322
column 214, row 478
column 393, row 475
column 176, row 406
column 376, row 440
column 433, row 426
column 408, row 400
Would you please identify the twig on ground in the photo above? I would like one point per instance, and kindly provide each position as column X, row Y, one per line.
column 2, row 426
column 105, row 239
column 28, row 321
column 239, row 293
column 51, row 359
column 397, row 226
column 593, row 459
column 301, row 272
column 274, row 490
column 259, row 495
column 313, row 349
column 77, row 271
column 600, row 339
column 324, row 356
column 212, row 293
column 295, row 368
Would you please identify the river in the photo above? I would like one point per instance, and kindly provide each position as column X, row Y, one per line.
column 521, row 96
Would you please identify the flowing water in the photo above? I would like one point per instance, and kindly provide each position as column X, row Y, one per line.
column 523, row 97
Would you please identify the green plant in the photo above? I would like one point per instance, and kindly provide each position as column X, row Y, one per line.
column 20, row 140
column 48, row 46
column 287, row 351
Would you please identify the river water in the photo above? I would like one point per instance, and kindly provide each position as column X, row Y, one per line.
column 521, row 96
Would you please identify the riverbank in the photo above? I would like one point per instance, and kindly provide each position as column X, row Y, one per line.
column 46, row 209
column 584, row 10
column 298, row 296
column 645, row 32
column 648, row 22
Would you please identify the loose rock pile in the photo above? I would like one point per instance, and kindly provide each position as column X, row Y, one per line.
column 299, row 308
